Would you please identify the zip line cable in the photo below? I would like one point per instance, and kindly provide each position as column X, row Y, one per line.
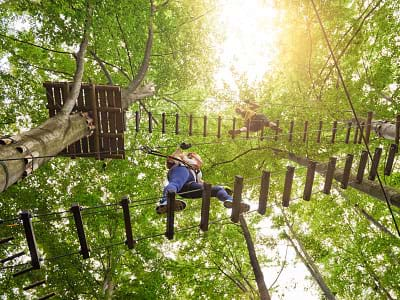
column 347, row 93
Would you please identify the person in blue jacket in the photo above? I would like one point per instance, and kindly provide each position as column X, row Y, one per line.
column 185, row 178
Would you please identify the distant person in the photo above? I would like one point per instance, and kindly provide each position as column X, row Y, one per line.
column 184, row 176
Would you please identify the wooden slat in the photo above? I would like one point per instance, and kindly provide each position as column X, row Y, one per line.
column 264, row 190
column 262, row 133
column 329, row 175
column 58, row 103
column 355, row 139
column 204, row 126
column 112, row 120
column 76, row 211
column 305, row 132
column 319, row 132
column 47, row 296
column 375, row 164
column 11, row 257
column 309, row 180
column 150, row 121
column 169, row 233
column 177, row 123
column 361, row 166
column 205, row 207
column 287, row 189
column 96, row 135
column 137, row 121
column 368, row 126
column 163, row 123
column 347, row 171
column 6, row 240
column 103, row 120
column 35, row 284
column 23, row 271
column 397, row 134
column 85, row 101
column 190, row 125
column 247, row 129
column 233, row 127
column 74, row 147
column 277, row 130
column 111, row 135
column 347, row 138
column 219, row 127
column 334, row 130
column 25, row 217
column 360, row 137
column 237, row 198
column 130, row 242
column 120, row 122
column 390, row 160
column 291, row 131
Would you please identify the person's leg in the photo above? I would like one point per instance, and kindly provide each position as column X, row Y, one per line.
column 177, row 177
column 192, row 190
column 220, row 193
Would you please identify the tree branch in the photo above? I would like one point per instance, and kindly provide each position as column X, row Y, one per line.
column 125, row 43
column 102, row 66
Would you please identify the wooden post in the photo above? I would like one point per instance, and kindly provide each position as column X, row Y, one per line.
column 262, row 134
column 319, row 132
column 177, row 123
column 150, row 122
column 170, row 215
column 329, row 175
column 309, row 180
column 349, row 124
column 305, row 133
column 130, row 242
column 397, row 137
column 190, row 124
column 361, row 166
column 347, row 171
column 287, row 190
column 334, row 130
column 96, row 121
column 47, row 296
column 390, row 159
column 375, row 163
column 204, row 126
column 35, row 284
column 26, row 216
column 237, row 198
column 360, row 138
column 264, row 190
column 76, row 211
column 277, row 130
column 368, row 127
column 219, row 127
column 247, row 129
column 233, row 127
column 291, row 131
column 356, row 130
column 137, row 121
column 6, row 240
column 11, row 257
column 163, row 123
column 205, row 207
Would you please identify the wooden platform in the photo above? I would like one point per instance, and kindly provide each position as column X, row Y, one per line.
column 104, row 103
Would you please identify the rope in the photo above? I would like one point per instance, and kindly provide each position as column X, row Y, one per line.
column 347, row 93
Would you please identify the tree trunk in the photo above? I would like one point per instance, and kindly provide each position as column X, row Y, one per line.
column 48, row 139
column 308, row 262
column 262, row 288
column 371, row 188
column 128, row 98
column 384, row 129
column 108, row 286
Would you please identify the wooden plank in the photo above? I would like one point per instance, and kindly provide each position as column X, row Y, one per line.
column 237, row 198
column 309, row 180
column 130, row 242
column 112, row 120
column 33, row 285
column 163, row 123
column 247, row 129
column 95, row 144
column 334, row 130
column 103, row 121
column 50, row 99
column 264, row 191
column 287, row 189
column 368, row 126
column 111, row 135
column 219, row 127
column 177, row 123
column 11, row 257
column 356, row 130
column 58, row 103
column 190, row 124
column 291, row 131
column 305, row 132
column 233, row 127
column 347, row 138
column 205, row 207
column 262, row 133
column 360, row 137
column 397, row 134
column 204, row 126
column 375, row 163
column 6, row 240
column 23, row 272
column 84, row 100
column 329, row 175
column 347, row 171
column 150, row 121
column 390, row 160
column 137, row 121
column 25, row 217
column 73, row 148
column 76, row 211
column 319, row 132
column 361, row 166
column 277, row 131
column 170, row 215
column 47, row 296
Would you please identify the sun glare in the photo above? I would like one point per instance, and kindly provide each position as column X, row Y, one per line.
column 249, row 44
